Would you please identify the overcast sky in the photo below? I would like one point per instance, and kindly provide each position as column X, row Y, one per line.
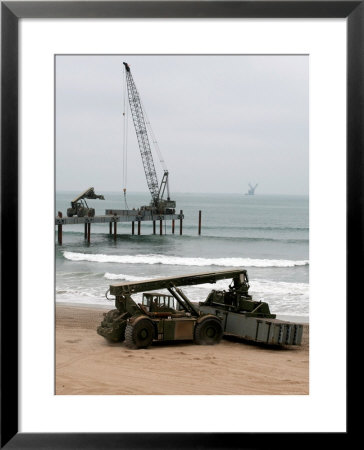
column 220, row 122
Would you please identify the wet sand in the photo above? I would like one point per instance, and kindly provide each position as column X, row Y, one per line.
column 87, row 364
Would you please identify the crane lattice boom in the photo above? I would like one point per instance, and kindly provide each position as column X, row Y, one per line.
column 142, row 136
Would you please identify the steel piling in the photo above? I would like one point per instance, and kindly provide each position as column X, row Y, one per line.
column 60, row 229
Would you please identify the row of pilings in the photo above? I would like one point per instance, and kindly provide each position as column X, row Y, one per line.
column 113, row 232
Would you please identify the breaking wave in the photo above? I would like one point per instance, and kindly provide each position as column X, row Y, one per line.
column 182, row 261
column 121, row 276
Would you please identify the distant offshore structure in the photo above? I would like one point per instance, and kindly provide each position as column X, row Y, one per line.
column 251, row 191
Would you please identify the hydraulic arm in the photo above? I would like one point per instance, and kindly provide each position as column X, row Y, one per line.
column 89, row 194
column 239, row 276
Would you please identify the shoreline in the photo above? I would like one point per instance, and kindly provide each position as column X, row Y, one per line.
column 288, row 317
column 87, row 364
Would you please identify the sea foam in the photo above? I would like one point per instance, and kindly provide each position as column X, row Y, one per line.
column 121, row 276
column 182, row 261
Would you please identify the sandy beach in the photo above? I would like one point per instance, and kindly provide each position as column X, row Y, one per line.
column 87, row 364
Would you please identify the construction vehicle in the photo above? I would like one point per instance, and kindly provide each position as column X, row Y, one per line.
column 79, row 205
column 163, row 317
column 159, row 204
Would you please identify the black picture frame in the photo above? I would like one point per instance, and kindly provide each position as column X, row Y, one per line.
column 11, row 12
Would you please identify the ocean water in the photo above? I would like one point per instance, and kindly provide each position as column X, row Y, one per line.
column 268, row 235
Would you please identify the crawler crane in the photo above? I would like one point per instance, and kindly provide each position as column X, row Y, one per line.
column 158, row 204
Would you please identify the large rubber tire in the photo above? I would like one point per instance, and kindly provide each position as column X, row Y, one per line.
column 80, row 212
column 139, row 335
column 208, row 332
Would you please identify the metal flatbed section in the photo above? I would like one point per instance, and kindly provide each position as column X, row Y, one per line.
column 133, row 287
column 132, row 216
column 266, row 331
column 243, row 317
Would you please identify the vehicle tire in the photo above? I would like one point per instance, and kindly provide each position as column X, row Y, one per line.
column 208, row 332
column 80, row 212
column 139, row 335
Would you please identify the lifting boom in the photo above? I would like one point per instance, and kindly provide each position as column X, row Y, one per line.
column 89, row 194
column 145, row 150
column 133, row 287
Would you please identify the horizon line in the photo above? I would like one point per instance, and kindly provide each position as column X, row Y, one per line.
column 198, row 193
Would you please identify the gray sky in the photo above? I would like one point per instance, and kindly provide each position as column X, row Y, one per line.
column 220, row 122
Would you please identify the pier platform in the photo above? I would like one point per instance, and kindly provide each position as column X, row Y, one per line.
column 119, row 215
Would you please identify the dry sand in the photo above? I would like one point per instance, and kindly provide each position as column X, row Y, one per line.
column 87, row 364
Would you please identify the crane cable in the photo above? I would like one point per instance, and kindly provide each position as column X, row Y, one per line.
column 154, row 139
column 125, row 143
